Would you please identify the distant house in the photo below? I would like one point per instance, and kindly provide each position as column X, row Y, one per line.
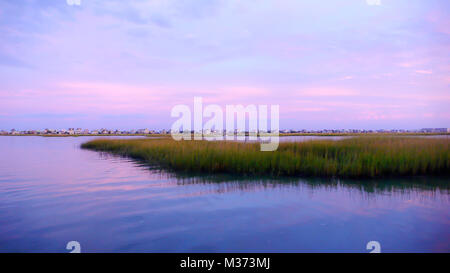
column 434, row 130
column 441, row 130
column 143, row 131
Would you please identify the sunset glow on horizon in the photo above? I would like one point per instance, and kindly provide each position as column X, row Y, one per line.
column 125, row 64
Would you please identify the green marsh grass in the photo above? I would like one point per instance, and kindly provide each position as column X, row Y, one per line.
column 353, row 157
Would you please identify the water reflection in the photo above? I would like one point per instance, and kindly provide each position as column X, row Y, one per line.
column 52, row 192
column 379, row 185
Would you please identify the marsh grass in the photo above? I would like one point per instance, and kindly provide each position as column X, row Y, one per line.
column 354, row 157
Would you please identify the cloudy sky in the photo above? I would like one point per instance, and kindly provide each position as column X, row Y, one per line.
column 125, row 64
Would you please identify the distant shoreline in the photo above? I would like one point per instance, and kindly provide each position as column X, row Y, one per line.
column 99, row 135
column 281, row 135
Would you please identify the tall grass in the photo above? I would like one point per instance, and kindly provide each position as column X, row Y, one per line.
column 353, row 157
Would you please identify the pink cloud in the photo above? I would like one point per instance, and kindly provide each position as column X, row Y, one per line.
column 346, row 78
column 327, row 92
column 424, row 71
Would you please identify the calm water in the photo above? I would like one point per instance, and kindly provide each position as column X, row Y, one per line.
column 52, row 192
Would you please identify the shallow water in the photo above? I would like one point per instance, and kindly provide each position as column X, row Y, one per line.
column 53, row 192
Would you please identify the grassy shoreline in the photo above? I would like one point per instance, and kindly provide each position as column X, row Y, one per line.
column 350, row 158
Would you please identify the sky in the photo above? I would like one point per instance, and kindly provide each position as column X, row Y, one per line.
column 364, row 64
